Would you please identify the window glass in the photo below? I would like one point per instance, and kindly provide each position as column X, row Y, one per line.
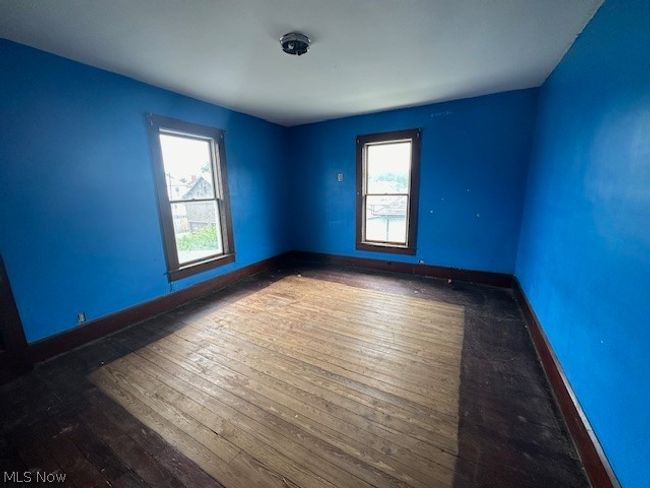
column 188, row 167
column 388, row 167
column 388, row 172
column 194, row 205
column 196, row 230
column 386, row 218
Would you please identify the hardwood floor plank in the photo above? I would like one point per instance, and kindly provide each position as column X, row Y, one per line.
column 355, row 328
column 73, row 463
column 238, row 355
column 354, row 427
column 242, row 348
column 354, row 389
column 138, row 436
column 321, row 378
column 353, row 457
column 293, row 333
column 140, row 462
column 184, row 399
column 270, row 428
column 421, row 396
column 218, row 457
column 387, row 416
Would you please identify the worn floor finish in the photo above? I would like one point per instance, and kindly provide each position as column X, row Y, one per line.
column 311, row 377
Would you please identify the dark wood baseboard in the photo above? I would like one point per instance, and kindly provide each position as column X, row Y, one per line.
column 502, row 280
column 595, row 462
column 596, row 465
column 58, row 344
column 52, row 346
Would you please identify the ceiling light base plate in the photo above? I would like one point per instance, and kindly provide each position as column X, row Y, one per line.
column 295, row 43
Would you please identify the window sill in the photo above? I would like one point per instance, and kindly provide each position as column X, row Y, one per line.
column 194, row 268
column 387, row 248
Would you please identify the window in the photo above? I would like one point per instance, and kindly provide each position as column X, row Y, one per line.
column 387, row 183
column 190, row 172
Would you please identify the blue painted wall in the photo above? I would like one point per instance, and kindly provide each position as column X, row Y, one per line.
column 584, row 258
column 79, row 224
column 79, row 218
column 473, row 170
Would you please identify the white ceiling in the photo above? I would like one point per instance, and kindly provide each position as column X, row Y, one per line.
column 367, row 55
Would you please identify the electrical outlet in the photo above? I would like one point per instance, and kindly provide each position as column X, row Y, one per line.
column 81, row 317
column 339, row 177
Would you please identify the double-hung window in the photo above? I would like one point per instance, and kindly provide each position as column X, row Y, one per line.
column 387, row 184
column 190, row 173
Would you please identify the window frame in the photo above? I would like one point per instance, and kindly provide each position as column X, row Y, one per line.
column 157, row 125
column 414, row 137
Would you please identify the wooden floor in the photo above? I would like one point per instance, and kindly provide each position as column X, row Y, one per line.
column 301, row 378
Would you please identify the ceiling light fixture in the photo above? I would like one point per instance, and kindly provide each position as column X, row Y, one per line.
column 295, row 43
